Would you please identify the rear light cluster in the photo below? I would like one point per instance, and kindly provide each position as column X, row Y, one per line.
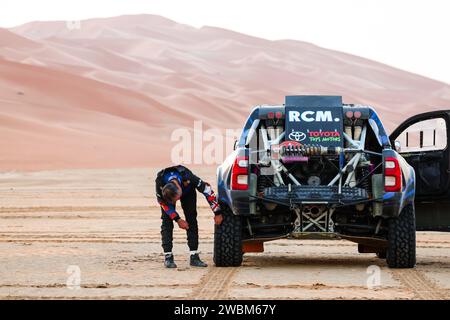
column 239, row 174
column 392, row 175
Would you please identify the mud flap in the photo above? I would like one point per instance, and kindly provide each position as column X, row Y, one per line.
column 377, row 191
column 252, row 246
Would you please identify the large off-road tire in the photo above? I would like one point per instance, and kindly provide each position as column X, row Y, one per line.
column 228, row 241
column 401, row 252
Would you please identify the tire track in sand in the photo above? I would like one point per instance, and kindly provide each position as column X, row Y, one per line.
column 215, row 284
column 423, row 288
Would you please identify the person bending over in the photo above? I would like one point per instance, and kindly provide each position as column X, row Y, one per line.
column 174, row 184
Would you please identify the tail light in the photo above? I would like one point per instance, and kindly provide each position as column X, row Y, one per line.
column 239, row 174
column 392, row 175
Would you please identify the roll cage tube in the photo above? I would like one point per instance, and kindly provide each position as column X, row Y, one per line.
column 373, row 119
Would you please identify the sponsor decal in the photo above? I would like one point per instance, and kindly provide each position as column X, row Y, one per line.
column 312, row 116
column 324, row 136
column 315, row 137
column 297, row 136
column 315, row 120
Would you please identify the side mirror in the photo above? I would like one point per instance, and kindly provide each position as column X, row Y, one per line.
column 235, row 144
column 398, row 146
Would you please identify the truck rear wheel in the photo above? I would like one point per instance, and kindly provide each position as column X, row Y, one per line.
column 228, row 241
column 401, row 252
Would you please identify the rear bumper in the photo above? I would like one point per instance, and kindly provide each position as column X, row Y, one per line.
column 298, row 195
column 316, row 194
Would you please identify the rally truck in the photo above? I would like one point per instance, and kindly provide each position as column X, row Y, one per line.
column 316, row 168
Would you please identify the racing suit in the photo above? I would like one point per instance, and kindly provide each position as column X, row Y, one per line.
column 189, row 184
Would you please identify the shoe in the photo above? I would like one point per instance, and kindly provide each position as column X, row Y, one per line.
column 196, row 262
column 169, row 262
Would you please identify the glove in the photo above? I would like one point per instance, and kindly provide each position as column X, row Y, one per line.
column 218, row 219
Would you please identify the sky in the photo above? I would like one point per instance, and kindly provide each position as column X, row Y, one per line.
column 408, row 34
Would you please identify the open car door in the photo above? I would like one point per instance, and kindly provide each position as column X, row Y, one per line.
column 423, row 140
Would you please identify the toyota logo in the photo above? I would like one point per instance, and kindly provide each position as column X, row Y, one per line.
column 297, row 135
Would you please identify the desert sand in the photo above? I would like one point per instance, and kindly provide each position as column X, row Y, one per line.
column 108, row 93
column 106, row 223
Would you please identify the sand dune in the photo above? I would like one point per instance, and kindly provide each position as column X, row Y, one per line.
column 111, row 92
column 52, row 119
